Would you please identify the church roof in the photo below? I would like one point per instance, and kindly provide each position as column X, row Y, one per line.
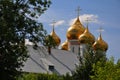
column 59, row 61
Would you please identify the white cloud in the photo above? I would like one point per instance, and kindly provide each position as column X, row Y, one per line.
column 58, row 23
column 91, row 17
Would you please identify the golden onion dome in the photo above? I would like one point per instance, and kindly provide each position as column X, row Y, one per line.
column 87, row 37
column 64, row 45
column 55, row 37
column 100, row 44
column 75, row 30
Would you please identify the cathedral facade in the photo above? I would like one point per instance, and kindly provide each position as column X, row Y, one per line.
column 78, row 37
column 64, row 60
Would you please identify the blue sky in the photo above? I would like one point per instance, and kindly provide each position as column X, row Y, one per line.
column 104, row 13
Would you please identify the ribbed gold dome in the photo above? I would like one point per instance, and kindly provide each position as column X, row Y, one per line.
column 100, row 44
column 64, row 45
column 87, row 37
column 55, row 37
column 75, row 30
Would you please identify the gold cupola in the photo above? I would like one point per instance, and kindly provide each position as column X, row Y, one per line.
column 100, row 44
column 87, row 37
column 55, row 37
column 75, row 30
column 64, row 45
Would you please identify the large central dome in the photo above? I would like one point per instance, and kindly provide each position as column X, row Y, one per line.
column 75, row 30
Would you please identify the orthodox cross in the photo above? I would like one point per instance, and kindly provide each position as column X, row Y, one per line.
column 78, row 11
column 100, row 30
column 87, row 21
column 53, row 24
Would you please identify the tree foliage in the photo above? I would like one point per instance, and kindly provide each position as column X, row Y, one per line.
column 17, row 21
column 84, row 69
column 49, row 42
column 106, row 71
column 33, row 76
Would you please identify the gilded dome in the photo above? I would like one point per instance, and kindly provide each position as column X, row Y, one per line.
column 75, row 30
column 55, row 37
column 87, row 37
column 64, row 45
column 100, row 44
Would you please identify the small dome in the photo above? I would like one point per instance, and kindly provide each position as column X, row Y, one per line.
column 64, row 45
column 75, row 30
column 87, row 37
column 55, row 37
column 100, row 44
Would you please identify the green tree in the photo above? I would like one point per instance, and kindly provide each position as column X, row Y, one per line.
column 67, row 77
column 18, row 21
column 33, row 76
column 84, row 69
column 49, row 42
column 106, row 71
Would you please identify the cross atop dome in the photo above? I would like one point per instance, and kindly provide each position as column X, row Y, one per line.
column 78, row 11
column 100, row 30
column 54, row 35
column 100, row 44
column 53, row 24
column 87, row 21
